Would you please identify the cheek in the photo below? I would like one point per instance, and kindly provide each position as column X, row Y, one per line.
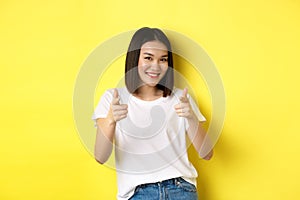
column 140, row 63
column 165, row 68
column 141, row 70
column 140, row 67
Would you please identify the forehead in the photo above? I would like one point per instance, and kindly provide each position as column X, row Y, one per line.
column 154, row 46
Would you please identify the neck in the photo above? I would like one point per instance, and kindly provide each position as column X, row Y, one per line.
column 148, row 93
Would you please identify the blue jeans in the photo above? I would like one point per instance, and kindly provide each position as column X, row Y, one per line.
column 172, row 189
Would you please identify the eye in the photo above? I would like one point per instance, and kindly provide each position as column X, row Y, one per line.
column 148, row 58
column 164, row 59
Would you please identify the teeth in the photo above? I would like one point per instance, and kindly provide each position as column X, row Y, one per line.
column 150, row 74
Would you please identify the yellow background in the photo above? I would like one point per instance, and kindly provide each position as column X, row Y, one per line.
column 254, row 44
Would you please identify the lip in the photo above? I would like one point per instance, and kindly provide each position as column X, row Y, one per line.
column 152, row 74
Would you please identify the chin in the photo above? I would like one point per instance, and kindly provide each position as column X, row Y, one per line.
column 151, row 84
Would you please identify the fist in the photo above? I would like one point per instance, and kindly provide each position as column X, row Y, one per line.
column 183, row 109
column 117, row 111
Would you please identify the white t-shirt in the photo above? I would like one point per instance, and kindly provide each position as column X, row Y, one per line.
column 150, row 143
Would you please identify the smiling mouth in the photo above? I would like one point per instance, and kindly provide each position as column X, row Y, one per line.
column 153, row 75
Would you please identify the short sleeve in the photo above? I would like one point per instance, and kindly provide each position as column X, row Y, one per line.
column 103, row 106
column 196, row 110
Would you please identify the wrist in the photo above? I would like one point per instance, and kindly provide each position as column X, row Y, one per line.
column 111, row 122
column 192, row 117
column 110, row 119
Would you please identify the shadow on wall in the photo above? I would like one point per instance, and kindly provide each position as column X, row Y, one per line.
column 228, row 155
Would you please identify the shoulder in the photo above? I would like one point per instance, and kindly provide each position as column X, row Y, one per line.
column 121, row 91
column 176, row 91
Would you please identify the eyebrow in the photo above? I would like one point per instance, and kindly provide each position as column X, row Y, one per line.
column 153, row 55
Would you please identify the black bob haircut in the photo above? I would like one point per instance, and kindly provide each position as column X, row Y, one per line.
column 139, row 38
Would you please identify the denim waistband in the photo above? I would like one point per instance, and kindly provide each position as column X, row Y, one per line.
column 172, row 181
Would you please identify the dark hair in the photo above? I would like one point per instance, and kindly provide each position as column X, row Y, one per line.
column 139, row 38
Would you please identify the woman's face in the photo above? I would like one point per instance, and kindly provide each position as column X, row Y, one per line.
column 153, row 62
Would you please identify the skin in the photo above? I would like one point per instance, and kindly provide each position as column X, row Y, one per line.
column 152, row 66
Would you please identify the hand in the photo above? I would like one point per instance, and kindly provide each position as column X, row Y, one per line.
column 183, row 109
column 117, row 111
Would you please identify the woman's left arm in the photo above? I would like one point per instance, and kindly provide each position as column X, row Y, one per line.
column 197, row 135
column 196, row 132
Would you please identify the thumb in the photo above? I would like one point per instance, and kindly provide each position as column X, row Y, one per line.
column 185, row 91
column 116, row 98
column 116, row 94
column 184, row 97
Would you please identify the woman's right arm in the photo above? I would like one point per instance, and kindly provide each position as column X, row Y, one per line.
column 104, row 139
column 106, row 129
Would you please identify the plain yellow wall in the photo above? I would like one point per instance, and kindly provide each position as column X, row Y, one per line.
column 254, row 44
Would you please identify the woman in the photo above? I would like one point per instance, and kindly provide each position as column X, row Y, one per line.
column 147, row 121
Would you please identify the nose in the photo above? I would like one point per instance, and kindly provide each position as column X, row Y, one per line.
column 155, row 65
